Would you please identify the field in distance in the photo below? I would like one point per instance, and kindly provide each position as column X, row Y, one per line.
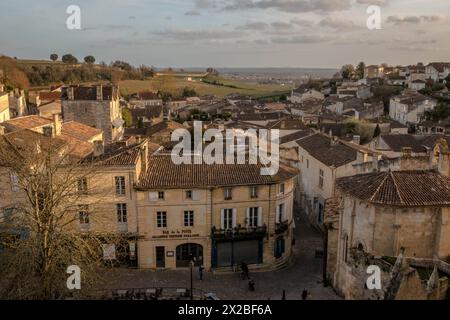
column 208, row 85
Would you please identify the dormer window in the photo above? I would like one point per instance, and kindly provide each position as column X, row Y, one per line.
column 228, row 195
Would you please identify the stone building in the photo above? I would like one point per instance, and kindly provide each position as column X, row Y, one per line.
column 386, row 214
column 323, row 159
column 95, row 106
column 409, row 107
column 169, row 214
column 17, row 103
column 220, row 215
column 4, row 105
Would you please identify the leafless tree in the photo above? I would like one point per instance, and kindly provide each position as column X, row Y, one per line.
column 40, row 232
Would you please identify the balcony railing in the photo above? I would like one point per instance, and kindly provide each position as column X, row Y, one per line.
column 281, row 227
column 239, row 233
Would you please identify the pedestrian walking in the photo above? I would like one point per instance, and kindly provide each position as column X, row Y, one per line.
column 304, row 294
column 244, row 268
column 201, row 268
column 251, row 285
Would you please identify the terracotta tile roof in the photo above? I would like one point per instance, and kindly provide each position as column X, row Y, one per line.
column 286, row 124
column 295, row 136
column 80, row 131
column 164, row 125
column 440, row 66
column 150, row 112
column 49, row 96
column 130, row 132
column 115, row 156
column 77, row 147
column 260, row 116
column 400, row 188
column 397, row 142
column 147, row 95
column 164, row 174
column 26, row 122
column 418, row 143
column 118, row 154
column 26, row 139
column 329, row 153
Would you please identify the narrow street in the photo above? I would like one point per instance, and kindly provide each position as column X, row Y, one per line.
column 305, row 272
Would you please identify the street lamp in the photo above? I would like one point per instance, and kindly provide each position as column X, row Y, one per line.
column 191, row 264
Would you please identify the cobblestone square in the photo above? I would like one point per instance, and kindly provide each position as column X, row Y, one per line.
column 304, row 272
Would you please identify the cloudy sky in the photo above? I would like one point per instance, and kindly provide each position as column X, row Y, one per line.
column 230, row 33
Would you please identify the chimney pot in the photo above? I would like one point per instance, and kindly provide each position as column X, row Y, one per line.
column 99, row 148
column 144, row 157
column 57, row 124
column 99, row 92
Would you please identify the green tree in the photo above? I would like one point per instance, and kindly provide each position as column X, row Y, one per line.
column 68, row 58
column 89, row 59
column 53, row 57
column 447, row 80
column 347, row 71
column 441, row 112
column 377, row 131
column 127, row 116
column 140, row 123
column 189, row 92
column 360, row 70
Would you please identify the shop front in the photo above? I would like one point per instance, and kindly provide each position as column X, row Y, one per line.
column 231, row 248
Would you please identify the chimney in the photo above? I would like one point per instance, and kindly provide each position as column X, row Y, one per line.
column 356, row 139
column 144, row 156
column 99, row 148
column 2, row 87
column 375, row 162
column 100, row 92
column 57, row 124
column 2, row 130
column 71, row 93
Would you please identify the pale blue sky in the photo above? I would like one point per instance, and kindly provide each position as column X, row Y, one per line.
column 229, row 33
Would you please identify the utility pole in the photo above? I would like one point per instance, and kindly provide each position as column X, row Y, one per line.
column 192, row 279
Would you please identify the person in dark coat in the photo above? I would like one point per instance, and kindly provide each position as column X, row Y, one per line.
column 201, row 268
column 244, row 268
column 304, row 294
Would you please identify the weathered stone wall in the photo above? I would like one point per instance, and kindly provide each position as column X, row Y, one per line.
column 98, row 114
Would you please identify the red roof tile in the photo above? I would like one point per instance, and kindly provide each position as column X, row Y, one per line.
column 400, row 188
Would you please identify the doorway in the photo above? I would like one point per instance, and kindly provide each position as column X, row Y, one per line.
column 160, row 257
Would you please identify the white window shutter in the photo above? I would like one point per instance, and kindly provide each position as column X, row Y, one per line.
column 277, row 218
column 195, row 195
column 260, row 217
column 222, row 219
column 153, row 196
column 247, row 215
column 234, row 218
